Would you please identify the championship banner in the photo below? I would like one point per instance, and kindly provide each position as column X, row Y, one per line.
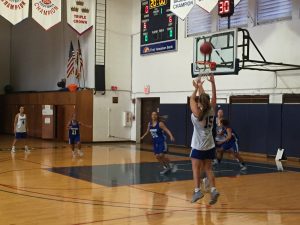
column 181, row 8
column 46, row 12
column 79, row 14
column 207, row 5
column 14, row 10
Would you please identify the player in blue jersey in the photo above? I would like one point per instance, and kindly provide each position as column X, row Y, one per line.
column 229, row 144
column 74, row 135
column 158, row 129
column 203, row 145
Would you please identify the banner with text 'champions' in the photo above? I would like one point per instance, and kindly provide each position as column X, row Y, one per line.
column 46, row 12
column 79, row 14
column 14, row 10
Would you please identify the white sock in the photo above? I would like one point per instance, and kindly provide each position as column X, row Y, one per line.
column 213, row 189
column 197, row 189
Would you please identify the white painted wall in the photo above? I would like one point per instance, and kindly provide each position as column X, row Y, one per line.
column 169, row 75
column 108, row 117
column 5, row 35
column 39, row 57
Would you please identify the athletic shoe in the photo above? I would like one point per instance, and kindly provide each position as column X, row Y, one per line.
column 243, row 167
column 26, row 149
column 80, row 153
column 214, row 195
column 196, row 196
column 205, row 185
column 166, row 170
column 173, row 167
column 73, row 154
column 13, row 149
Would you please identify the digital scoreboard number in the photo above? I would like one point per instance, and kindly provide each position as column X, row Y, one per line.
column 225, row 8
column 158, row 27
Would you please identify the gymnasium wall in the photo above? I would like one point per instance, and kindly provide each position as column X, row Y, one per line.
column 169, row 74
column 5, row 53
column 39, row 57
column 108, row 116
column 65, row 104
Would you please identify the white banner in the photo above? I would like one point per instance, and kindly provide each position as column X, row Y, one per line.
column 181, row 8
column 14, row 10
column 79, row 14
column 46, row 12
column 209, row 5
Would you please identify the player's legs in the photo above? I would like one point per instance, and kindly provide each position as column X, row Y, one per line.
column 13, row 148
column 72, row 143
column 197, row 167
column 220, row 152
column 78, row 143
column 235, row 150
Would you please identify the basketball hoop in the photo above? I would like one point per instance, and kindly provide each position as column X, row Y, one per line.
column 207, row 66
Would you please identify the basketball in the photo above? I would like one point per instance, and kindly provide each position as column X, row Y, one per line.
column 72, row 87
column 206, row 48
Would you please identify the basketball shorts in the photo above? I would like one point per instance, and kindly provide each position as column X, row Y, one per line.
column 231, row 145
column 203, row 154
column 159, row 147
column 74, row 139
column 21, row 135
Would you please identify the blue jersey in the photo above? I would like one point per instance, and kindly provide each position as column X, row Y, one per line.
column 156, row 132
column 234, row 136
column 74, row 128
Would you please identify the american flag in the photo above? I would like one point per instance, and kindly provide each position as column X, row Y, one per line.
column 79, row 62
column 71, row 61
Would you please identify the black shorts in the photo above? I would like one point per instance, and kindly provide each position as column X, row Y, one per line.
column 203, row 154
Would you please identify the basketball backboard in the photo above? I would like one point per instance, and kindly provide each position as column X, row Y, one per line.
column 224, row 53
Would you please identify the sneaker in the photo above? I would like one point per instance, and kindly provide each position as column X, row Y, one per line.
column 13, row 149
column 196, row 196
column 215, row 162
column 214, row 195
column 166, row 170
column 205, row 185
column 174, row 167
column 80, row 153
column 243, row 167
column 73, row 154
column 26, row 149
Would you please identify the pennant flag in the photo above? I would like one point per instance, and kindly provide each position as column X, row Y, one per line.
column 79, row 15
column 207, row 5
column 71, row 61
column 46, row 12
column 14, row 10
column 79, row 62
column 181, row 8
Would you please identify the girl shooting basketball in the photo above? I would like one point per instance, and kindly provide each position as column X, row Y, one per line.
column 203, row 146
column 157, row 129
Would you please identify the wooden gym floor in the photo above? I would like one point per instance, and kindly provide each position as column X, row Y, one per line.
column 120, row 184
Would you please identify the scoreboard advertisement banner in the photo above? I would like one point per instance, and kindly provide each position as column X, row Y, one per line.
column 158, row 27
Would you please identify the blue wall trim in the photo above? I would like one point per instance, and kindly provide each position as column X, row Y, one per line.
column 262, row 128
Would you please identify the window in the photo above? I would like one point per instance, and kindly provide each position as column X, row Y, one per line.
column 198, row 21
column 238, row 19
column 272, row 10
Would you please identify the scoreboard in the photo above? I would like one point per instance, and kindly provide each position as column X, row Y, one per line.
column 158, row 27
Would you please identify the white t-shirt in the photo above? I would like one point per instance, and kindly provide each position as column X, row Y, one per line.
column 21, row 124
column 202, row 138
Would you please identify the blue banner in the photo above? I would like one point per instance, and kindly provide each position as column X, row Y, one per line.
column 159, row 47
